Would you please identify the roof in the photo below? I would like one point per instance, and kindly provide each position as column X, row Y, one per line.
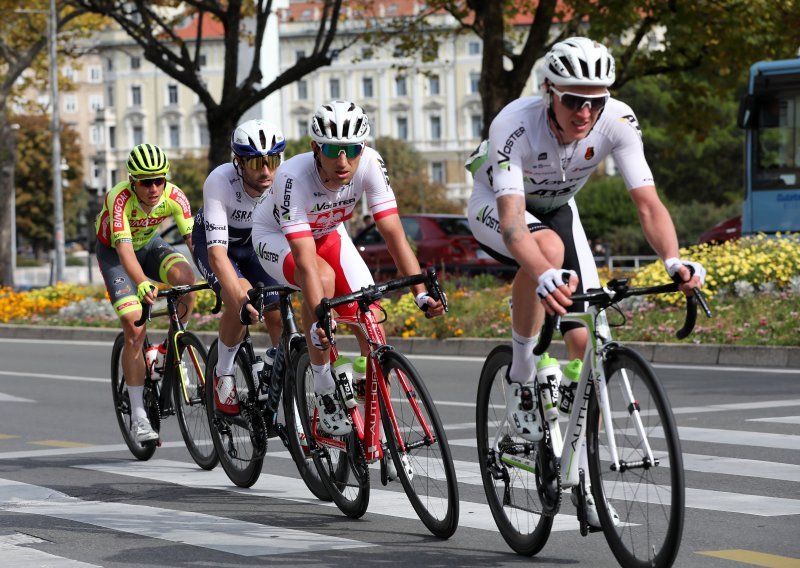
column 212, row 27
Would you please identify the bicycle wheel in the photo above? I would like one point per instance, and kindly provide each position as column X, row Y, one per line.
column 515, row 494
column 122, row 405
column 240, row 440
column 649, row 497
column 426, row 468
column 189, row 394
column 300, row 365
column 344, row 473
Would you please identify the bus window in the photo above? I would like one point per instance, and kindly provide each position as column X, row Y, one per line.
column 777, row 145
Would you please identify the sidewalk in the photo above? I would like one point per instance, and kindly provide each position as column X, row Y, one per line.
column 674, row 353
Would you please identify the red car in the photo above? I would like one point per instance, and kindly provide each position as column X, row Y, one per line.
column 724, row 231
column 441, row 240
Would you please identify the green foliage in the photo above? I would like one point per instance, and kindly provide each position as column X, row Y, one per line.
column 295, row 147
column 608, row 214
column 34, row 182
column 694, row 218
column 189, row 174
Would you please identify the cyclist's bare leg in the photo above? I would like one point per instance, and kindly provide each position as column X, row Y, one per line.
column 132, row 360
column 231, row 330
column 328, row 279
column 181, row 274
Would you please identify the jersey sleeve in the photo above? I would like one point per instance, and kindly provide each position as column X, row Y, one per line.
column 119, row 205
column 628, row 152
column 291, row 208
column 181, row 210
column 380, row 197
column 506, row 147
column 215, row 212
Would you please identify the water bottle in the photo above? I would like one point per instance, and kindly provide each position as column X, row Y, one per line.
column 360, row 378
column 266, row 374
column 548, row 375
column 569, row 385
column 343, row 374
column 150, row 356
column 161, row 359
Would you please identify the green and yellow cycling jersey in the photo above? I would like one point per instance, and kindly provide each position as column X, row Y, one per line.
column 123, row 219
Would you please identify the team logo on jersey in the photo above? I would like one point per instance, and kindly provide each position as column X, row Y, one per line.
column 486, row 217
column 385, row 172
column 119, row 280
column 589, row 153
column 542, row 156
column 630, row 119
column 503, row 155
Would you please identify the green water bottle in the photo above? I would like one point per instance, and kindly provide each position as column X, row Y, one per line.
column 569, row 385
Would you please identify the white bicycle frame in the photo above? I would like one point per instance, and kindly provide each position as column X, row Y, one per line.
column 568, row 454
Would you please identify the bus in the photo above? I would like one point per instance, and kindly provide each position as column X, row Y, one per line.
column 770, row 115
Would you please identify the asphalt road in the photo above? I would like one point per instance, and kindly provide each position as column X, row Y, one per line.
column 71, row 494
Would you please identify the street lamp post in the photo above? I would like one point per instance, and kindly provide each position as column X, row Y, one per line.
column 58, row 201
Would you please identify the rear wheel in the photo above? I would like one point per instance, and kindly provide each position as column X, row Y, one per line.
column 518, row 507
column 343, row 471
column 647, row 496
column 240, row 440
column 189, row 395
column 122, row 405
column 426, row 467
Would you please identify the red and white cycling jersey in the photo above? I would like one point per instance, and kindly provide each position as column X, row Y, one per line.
column 299, row 204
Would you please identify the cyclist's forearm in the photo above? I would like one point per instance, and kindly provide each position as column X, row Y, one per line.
column 656, row 222
column 517, row 237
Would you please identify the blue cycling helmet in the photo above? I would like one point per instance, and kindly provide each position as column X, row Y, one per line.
column 257, row 138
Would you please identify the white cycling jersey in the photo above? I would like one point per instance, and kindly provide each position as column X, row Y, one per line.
column 523, row 156
column 227, row 208
column 299, row 205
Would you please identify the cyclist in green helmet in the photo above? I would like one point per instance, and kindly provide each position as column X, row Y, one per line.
column 131, row 253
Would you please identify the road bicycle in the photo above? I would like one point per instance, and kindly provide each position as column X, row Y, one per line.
column 178, row 388
column 241, row 441
column 400, row 421
column 621, row 412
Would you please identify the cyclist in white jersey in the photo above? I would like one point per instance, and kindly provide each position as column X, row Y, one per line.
column 540, row 152
column 223, row 248
column 300, row 237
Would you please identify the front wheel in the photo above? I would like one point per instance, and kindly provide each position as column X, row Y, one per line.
column 426, row 467
column 647, row 495
column 122, row 405
column 343, row 472
column 189, row 394
column 512, row 469
column 240, row 440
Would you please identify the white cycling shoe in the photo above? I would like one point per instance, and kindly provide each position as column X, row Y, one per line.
column 522, row 411
column 592, row 518
column 143, row 431
column 332, row 419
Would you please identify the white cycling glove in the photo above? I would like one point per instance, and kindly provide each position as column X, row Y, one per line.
column 551, row 279
column 316, row 339
column 673, row 265
column 422, row 301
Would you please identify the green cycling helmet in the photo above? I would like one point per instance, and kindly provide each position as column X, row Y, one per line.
column 147, row 161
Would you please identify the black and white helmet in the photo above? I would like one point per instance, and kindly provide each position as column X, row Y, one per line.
column 579, row 61
column 257, row 138
column 339, row 122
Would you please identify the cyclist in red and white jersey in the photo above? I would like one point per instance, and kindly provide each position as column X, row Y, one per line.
column 540, row 153
column 300, row 237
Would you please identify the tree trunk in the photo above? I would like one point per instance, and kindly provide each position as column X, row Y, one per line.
column 220, row 127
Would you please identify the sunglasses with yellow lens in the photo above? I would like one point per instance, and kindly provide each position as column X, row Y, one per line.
column 256, row 163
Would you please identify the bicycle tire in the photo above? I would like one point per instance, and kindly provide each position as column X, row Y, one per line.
column 299, row 364
column 650, row 501
column 512, row 492
column 236, row 437
column 122, row 405
column 344, row 473
column 432, row 487
column 189, row 396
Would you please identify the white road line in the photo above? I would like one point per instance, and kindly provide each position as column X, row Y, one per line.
column 738, row 438
column 54, row 377
column 381, row 502
column 196, row 529
column 11, row 398
column 777, row 419
column 16, row 554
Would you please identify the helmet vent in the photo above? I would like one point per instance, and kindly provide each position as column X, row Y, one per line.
column 262, row 138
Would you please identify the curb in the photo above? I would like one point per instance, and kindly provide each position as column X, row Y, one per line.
column 693, row 354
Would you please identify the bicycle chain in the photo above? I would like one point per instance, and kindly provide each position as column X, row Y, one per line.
column 548, row 476
column 257, row 428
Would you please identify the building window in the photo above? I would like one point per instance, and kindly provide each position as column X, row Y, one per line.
column 474, row 48
column 205, row 137
column 436, row 127
column 333, row 85
column 172, row 94
column 437, row 172
column 136, row 95
column 302, row 128
column 474, row 82
column 70, row 103
column 302, row 89
column 174, row 136
column 110, row 96
column 202, row 60
column 430, row 52
column 400, row 88
column 476, row 121
column 366, row 53
column 299, row 54
column 110, row 64
column 138, row 135
column 112, row 136
column 136, row 62
column 96, row 102
column 366, row 86
column 402, row 128
column 433, row 85
column 95, row 135
column 96, row 74
column 69, row 73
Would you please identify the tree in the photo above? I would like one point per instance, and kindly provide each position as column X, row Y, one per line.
column 22, row 40
column 34, row 181
column 152, row 24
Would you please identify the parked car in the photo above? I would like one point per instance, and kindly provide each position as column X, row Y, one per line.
column 440, row 240
column 723, row 231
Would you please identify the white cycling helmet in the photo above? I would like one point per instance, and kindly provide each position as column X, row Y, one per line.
column 339, row 122
column 257, row 138
column 579, row 61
